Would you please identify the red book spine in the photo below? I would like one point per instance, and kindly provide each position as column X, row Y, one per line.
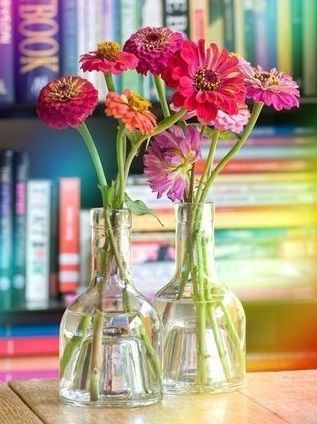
column 68, row 258
column 28, row 346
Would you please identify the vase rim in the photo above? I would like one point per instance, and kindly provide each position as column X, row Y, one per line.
column 122, row 217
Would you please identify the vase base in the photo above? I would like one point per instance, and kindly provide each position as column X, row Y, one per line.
column 181, row 388
column 82, row 400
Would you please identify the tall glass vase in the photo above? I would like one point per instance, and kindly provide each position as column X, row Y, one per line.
column 204, row 322
column 110, row 336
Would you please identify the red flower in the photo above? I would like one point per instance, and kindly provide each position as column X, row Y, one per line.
column 67, row 101
column 108, row 58
column 205, row 80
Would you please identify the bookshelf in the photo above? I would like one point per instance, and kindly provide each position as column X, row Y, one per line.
column 62, row 154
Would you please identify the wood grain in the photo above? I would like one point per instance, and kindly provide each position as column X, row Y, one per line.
column 232, row 408
column 13, row 410
column 291, row 395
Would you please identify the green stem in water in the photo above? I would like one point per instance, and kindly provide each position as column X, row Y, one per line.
column 160, row 89
column 109, row 82
column 96, row 356
column 244, row 136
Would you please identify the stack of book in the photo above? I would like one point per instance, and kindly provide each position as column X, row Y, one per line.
column 266, row 218
column 271, row 33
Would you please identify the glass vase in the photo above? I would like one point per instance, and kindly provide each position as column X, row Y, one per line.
column 203, row 321
column 110, row 336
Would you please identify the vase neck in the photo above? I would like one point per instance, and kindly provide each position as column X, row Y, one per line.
column 104, row 264
column 195, row 240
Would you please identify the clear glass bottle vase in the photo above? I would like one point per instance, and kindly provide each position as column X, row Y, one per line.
column 203, row 321
column 110, row 336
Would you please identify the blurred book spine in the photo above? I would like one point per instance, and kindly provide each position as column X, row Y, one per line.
column 38, row 240
column 69, row 56
column 6, row 221
column 6, row 53
column 198, row 15
column 19, row 228
column 68, row 257
column 176, row 15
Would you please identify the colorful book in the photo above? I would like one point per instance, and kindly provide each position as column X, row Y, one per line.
column 198, row 18
column 130, row 20
column 68, row 258
column 284, row 36
column 26, row 375
column 297, row 40
column 35, row 363
column 6, row 53
column 261, row 35
column 239, row 27
column 29, row 330
column 69, row 56
column 229, row 25
column 28, row 346
column 37, row 46
column 216, row 23
column 19, row 228
column 38, row 240
column 176, row 15
column 249, row 31
column 271, row 33
column 6, row 221
column 309, row 50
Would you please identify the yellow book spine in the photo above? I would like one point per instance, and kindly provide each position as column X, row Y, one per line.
column 284, row 36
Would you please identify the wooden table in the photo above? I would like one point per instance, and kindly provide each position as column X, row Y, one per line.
column 268, row 397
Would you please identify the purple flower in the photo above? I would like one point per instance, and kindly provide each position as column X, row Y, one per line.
column 153, row 47
column 169, row 159
column 235, row 123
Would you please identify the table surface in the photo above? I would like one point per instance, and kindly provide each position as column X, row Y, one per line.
column 267, row 397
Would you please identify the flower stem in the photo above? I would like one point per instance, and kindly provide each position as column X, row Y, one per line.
column 236, row 147
column 96, row 356
column 109, row 82
column 120, row 162
column 160, row 89
column 163, row 125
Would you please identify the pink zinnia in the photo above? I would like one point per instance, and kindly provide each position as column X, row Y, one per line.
column 108, row 58
column 66, row 102
column 132, row 109
column 169, row 159
column 153, row 47
column 273, row 88
column 234, row 123
column 205, row 80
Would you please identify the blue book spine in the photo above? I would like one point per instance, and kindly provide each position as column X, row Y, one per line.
column 37, row 46
column 271, row 29
column 29, row 330
column 278, row 152
column 228, row 13
column 283, row 131
column 69, row 53
column 6, row 53
column 19, row 228
column 6, row 185
column 176, row 15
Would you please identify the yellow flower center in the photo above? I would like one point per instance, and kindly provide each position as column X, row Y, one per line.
column 267, row 79
column 206, row 80
column 138, row 103
column 65, row 89
column 109, row 50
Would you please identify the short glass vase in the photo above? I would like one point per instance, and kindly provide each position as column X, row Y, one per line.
column 204, row 322
column 110, row 336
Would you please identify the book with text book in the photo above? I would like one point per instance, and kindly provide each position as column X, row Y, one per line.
column 6, row 53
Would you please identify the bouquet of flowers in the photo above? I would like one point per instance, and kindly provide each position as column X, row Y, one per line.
column 210, row 88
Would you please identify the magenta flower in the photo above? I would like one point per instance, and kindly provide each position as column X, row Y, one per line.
column 273, row 88
column 234, row 123
column 153, row 47
column 205, row 80
column 169, row 159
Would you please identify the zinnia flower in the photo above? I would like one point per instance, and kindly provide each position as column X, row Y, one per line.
column 132, row 109
column 169, row 159
column 235, row 123
column 272, row 88
column 153, row 47
column 205, row 81
column 108, row 58
column 67, row 101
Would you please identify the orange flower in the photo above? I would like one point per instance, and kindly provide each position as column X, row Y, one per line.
column 132, row 109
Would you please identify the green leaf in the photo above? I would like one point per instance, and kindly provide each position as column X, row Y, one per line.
column 133, row 136
column 110, row 194
column 139, row 208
